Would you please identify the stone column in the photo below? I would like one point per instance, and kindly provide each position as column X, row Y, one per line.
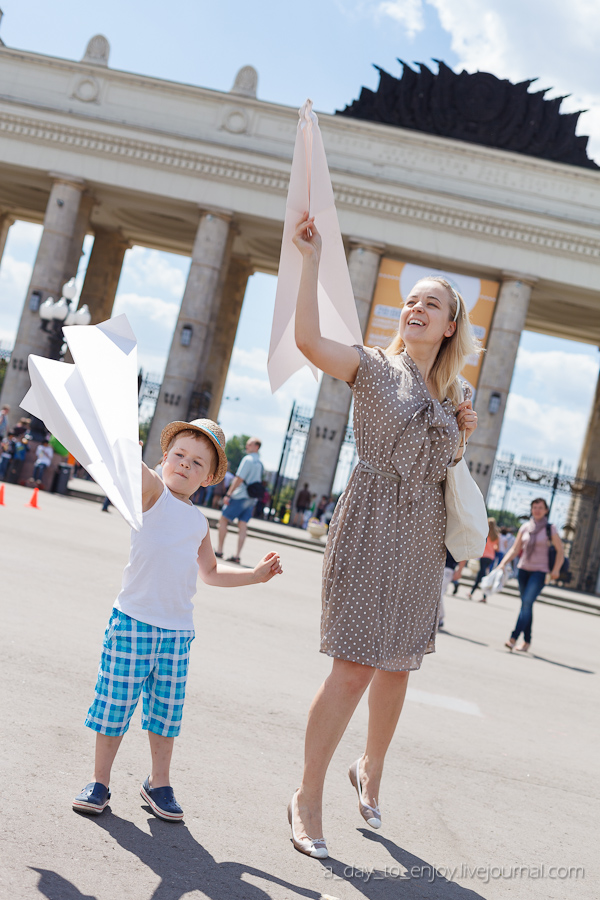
column 53, row 266
column 583, row 523
column 333, row 402
column 215, row 370
column 103, row 273
column 6, row 220
column 192, row 329
column 496, row 374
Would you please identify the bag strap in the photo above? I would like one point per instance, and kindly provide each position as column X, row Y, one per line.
column 262, row 469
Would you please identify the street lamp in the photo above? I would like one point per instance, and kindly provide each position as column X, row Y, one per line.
column 56, row 313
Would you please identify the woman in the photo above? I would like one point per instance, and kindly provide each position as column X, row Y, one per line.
column 385, row 553
column 532, row 544
column 488, row 556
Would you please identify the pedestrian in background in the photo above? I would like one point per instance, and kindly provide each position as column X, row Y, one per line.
column 238, row 502
column 488, row 557
column 44, row 455
column 303, row 499
column 534, row 541
column 4, row 422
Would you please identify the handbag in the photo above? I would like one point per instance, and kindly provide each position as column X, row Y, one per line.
column 466, row 514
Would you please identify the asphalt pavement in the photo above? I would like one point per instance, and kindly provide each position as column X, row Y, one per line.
column 490, row 788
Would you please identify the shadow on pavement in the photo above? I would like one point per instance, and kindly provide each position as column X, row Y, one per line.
column 182, row 864
column 425, row 883
column 554, row 662
column 461, row 638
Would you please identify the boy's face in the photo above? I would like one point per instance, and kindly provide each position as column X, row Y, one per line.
column 187, row 465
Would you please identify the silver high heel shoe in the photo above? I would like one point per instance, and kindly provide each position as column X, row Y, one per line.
column 370, row 814
column 316, row 848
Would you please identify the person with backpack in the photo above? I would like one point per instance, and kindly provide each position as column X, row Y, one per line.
column 241, row 496
column 534, row 544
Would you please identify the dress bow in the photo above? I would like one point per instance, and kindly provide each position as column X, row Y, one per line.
column 410, row 457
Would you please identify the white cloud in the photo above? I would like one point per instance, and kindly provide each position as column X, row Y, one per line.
column 255, row 359
column 409, row 13
column 564, row 379
column 548, row 408
column 156, row 309
column 545, row 39
column 249, row 406
column 152, row 270
column 543, row 430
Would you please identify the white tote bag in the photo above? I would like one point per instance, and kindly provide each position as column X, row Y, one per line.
column 466, row 516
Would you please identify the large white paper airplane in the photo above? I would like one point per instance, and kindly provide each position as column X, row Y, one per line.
column 310, row 189
column 92, row 408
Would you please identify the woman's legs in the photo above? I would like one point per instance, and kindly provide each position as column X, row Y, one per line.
column 484, row 567
column 331, row 710
column 530, row 585
column 329, row 714
column 386, row 699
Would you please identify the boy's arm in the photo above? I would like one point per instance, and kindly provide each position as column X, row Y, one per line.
column 226, row 576
column 152, row 487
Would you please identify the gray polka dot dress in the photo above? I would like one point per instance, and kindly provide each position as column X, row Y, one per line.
column 385, row 553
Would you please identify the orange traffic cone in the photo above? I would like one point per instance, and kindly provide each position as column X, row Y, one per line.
column 33, row 503
column 2, row 503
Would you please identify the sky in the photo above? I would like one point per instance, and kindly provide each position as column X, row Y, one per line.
column 324, row 49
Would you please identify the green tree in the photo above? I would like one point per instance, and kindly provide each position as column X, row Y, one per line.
column 3, row 368
column 235, row 450
column 144, row 429
column 504, row 518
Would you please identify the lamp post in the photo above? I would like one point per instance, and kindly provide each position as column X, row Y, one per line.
column 56, row 313
column 53, row 315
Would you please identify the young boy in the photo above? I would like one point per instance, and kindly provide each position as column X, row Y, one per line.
column 147, row 642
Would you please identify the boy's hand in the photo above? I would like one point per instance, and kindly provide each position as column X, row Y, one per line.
column 267, row 568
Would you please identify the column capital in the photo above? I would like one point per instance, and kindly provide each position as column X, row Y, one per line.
column 72, row 180
column 530, row 280
column 226, row 214
column 359, row 243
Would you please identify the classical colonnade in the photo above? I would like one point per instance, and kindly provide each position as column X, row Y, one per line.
column 203, row 339
column 133, row 160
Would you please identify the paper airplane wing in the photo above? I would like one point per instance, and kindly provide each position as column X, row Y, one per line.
column 310, row 189
column 91, row 407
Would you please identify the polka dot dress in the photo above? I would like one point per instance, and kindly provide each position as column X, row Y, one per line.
column 385, row 553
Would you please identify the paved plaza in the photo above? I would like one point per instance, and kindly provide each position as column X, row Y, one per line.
column 490, row 789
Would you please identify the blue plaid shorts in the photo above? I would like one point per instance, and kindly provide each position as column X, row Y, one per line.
column 138, row 658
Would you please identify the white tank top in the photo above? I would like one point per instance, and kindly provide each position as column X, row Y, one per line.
column 160, row 578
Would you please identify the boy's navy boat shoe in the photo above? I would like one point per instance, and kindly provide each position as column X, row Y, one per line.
column 93, row 799
column 162, row 802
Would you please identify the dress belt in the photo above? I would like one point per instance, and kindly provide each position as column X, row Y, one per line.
column 373, row 470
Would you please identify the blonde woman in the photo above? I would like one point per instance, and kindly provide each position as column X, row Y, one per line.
column 385, row 554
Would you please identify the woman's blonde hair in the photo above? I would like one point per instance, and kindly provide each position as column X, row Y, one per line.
column 493, row 530
column 454, row 350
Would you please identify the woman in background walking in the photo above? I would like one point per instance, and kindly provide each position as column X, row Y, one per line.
column 534, row 542
column 489, row 555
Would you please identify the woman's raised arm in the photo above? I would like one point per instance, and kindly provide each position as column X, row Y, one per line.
column 336, row 359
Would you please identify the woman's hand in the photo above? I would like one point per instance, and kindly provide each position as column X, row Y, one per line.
column 307, row 239
column 466, row 418
column 267, row 568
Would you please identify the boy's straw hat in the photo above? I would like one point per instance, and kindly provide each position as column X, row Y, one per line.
column 210, row 430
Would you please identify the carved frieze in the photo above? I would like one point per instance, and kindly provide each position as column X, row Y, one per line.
column 475, row 107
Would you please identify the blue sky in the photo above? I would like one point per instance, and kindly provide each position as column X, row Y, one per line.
column 324, row 50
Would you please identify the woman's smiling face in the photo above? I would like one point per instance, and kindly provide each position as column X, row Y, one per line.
column 425, row 316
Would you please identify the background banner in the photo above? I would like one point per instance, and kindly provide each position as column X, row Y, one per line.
column 394, row 283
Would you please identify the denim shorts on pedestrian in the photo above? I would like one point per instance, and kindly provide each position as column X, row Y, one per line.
column 239, row 509
column 138, row 658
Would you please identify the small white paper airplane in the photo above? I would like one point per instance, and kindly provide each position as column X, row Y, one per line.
column 310, row 190
column 92, row 408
